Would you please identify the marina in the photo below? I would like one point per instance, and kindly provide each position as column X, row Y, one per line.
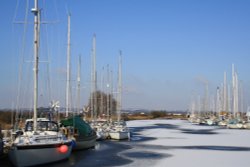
column 161, row 143
column 162, row 84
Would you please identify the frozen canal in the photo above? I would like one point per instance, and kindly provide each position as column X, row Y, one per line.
column 177, row 143
column 173, row 143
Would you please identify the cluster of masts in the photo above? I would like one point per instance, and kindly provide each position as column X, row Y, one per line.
column 43, row 140
column 224, row 107
column 108, row 89
column 226, row 99
column 105, row 127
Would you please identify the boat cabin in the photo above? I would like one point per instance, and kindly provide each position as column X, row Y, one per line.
column 43, row 124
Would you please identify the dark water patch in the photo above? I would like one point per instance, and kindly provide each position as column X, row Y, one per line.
column 136, row 131
column 136, row 135
column 217, row 148
column 172, row 138
column 199, row 147
column 146, row 155
column 106, row 154
column 155, row 126
column 154, row 147
column 167, row 126
column 142, row 128
column 199, row 131
column 4, row 161
column 213, row 126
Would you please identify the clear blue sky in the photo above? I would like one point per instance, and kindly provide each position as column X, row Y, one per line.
column 168, row 46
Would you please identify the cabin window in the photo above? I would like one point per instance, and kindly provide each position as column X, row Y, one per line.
column 42, row 126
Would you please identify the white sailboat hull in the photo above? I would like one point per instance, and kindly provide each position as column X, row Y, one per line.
column 30, row 155
column 119, row 135
column 246, row 126
column 235, row 126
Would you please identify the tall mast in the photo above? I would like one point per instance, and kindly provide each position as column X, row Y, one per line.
column 236, row 110
column 68, row 69
column 192, row 107
column 206, row 97
column 35, row 11
column 192, row 104
column 79, row 85
column 119, row 100
column 229, row 98
column 241, row 96
column 199, row 104
column 93, row 80
column 235, row 91
column 225, row 101
column 108, row 88
column 218, row 102
column 95, row 97
column 102, row 80
column 111, row 95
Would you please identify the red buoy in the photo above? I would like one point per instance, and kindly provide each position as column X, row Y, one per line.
column 63, row 149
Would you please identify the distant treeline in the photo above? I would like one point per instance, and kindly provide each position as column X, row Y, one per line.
column 154, row 114
column 5, row 116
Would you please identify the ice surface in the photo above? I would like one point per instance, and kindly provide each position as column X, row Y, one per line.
column 176, row 143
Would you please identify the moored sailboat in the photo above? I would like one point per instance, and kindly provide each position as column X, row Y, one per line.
column 41, row 142
column 80, row 132
column 119, row 130
column 41, row 146
column 82, row 135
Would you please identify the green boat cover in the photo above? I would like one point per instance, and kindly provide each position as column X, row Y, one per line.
column 77, row 122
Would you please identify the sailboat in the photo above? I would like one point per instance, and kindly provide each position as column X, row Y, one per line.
column 247, row 123
column 41, row 142
column 99, row 125
column 82, row 135
column 119, row 129
column 236, row 121
column 80, row 132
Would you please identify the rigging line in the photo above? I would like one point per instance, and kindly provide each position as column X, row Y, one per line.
column 26, row 91
column 48, row 58
column 56, row 10
column 18, row 91
column 15, row 13
column 22, row 60
column 47, row 81
column 57, row 51
column 13, row 52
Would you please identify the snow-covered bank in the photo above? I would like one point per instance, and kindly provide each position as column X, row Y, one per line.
column 177, row 143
